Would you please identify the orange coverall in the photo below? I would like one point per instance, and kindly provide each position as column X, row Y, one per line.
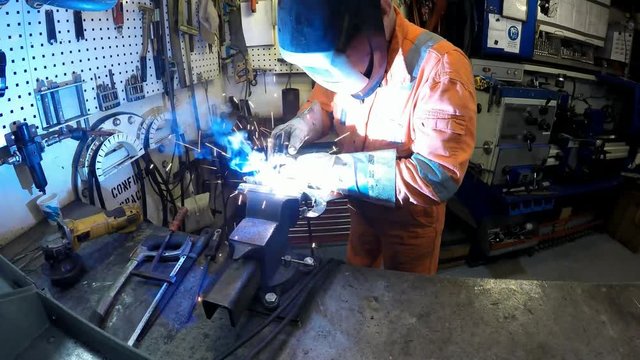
column 425, row 108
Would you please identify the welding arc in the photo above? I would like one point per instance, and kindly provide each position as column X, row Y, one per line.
column 297, row 295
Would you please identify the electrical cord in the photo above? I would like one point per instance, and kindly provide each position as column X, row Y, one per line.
column 305, row 285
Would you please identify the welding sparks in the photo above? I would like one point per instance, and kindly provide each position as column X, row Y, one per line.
column 168, row 167
column 239, row 124
column 209, row 167
column 216, row 149
column 333, row 150
column 199, row 298
column 264, row 202
column 342, row 136
column 352, row 208
column 199, row 140
column 240, row 200
column 187, row 145
column 266, row 131
column 273, row 123
column 151, row 166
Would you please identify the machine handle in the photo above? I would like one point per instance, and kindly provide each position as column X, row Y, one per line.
column 178, row 219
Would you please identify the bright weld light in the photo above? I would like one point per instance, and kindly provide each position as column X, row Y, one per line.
column 264, row 203
column 199, row 298
column 341, row 137
column 240, row 200
column 209, row 167
column 151, row 167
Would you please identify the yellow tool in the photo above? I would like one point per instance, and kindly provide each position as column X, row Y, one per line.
column 62, row 264
column 123, row 219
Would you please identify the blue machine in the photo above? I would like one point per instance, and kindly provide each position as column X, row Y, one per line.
column 499, row 36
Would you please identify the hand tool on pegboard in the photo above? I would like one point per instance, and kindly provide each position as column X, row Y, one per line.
column 176, row 45
column 50, row 22
column 134, row 87
column 186, row 24
column 147, row 18
column 117, row 12
column 78, row 26
column 107, row 94
column 3, row 73
column 158, row 43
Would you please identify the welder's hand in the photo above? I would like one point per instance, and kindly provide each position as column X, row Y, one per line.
column 306, row 127
column 320, row 171
column 366, row 175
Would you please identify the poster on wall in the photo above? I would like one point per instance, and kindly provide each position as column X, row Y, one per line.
column 122, row 188
column 504, row 33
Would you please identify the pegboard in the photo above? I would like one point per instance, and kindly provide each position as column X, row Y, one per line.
column 23, row 37
column 266, row 58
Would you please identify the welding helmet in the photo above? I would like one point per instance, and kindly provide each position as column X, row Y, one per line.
column 316, row 34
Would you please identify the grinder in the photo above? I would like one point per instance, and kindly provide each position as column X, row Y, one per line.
column 63, row 265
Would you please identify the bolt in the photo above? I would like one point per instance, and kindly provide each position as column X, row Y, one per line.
column 309, row 261
column 131, row 120
column 271, row 298
column 116, row 122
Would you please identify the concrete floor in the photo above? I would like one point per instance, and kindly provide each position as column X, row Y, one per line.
column 594, row 258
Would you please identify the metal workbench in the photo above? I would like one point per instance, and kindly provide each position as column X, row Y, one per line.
column 372, row 314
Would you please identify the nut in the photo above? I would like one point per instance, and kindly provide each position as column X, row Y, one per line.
column 271, row 298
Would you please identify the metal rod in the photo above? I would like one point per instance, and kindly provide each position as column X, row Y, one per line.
column 156, row 300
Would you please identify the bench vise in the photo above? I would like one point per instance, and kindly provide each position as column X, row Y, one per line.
column 258, row 246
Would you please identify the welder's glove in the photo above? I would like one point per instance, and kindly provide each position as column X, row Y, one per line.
column 366, row 175
column 304, row 128
column 209, row 21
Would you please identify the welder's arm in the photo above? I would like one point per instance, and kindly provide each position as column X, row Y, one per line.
column 312, row 122
column 443, row 131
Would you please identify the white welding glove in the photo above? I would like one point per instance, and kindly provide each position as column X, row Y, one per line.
column 366, row 175
column 209, row 21
column 304, row 128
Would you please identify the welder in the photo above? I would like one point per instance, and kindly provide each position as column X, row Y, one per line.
column 402, row 102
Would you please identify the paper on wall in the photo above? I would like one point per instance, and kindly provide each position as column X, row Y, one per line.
column 504, row 33
column 515, row 9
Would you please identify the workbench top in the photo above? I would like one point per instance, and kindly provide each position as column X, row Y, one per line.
column 374, row 314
